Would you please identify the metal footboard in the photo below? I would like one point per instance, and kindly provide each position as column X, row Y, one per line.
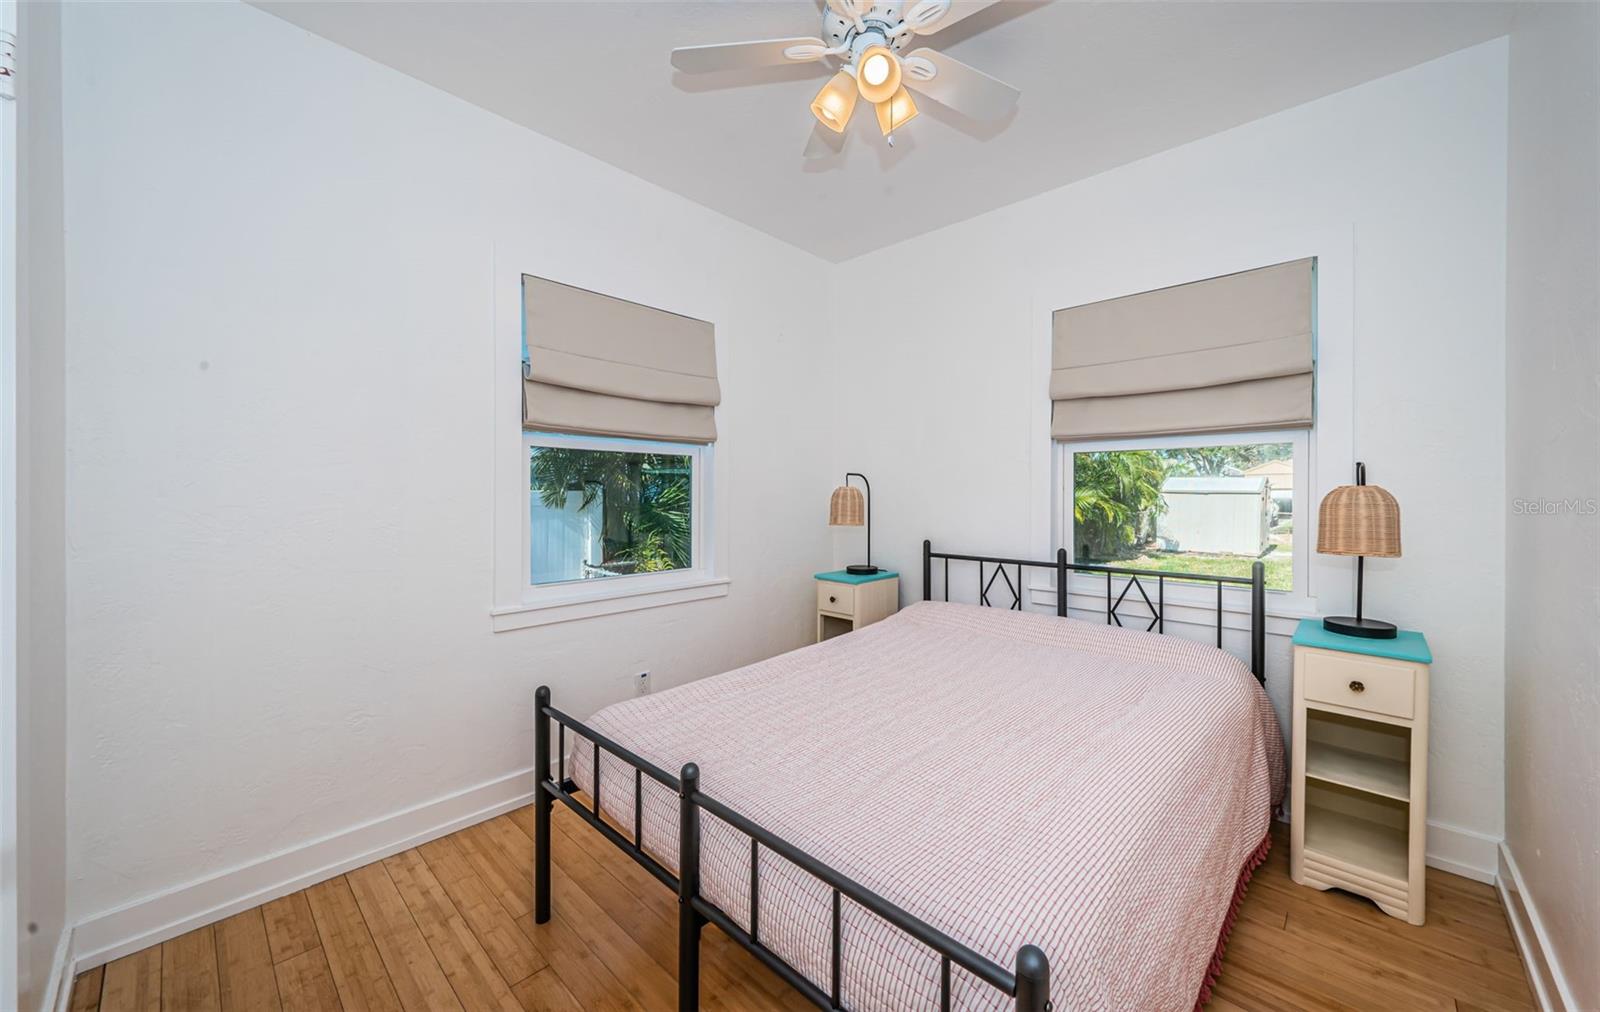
column 1027, row 982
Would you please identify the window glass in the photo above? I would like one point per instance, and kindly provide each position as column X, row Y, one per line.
column 1210, row 509
column 597, row 513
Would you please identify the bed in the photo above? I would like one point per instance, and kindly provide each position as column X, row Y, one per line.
column 957, row 807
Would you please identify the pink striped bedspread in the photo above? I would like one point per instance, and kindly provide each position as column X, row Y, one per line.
column 1007, row 777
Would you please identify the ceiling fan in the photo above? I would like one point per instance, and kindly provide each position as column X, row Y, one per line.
column 869, row 39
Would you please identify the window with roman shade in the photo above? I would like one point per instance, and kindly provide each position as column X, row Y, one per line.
column 1228, row 354
column 603, row 366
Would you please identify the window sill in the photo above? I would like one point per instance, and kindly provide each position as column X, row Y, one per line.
column 571, row 604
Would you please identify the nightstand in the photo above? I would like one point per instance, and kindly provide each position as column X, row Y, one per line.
column 846, row 602
column 1360, row 766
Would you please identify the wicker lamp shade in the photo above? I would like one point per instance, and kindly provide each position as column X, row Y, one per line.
column 846, row 508
column 1359, row 520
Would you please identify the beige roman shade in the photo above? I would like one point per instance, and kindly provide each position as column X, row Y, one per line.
column 1223, row 355
column 604, row 366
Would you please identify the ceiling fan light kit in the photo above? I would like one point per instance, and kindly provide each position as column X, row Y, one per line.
column 835, row 102
column 868, row 39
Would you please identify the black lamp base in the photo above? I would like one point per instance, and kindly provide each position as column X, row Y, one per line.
column 1366, row 628
column 868, row 571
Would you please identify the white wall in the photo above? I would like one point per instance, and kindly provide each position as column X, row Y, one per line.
column 41, row 535
column 279, row 475
column 1553, row 455
column 944, row 336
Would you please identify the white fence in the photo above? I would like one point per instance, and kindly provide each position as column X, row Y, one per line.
column 563, row 540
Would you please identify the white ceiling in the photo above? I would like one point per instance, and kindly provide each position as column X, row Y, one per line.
column 1102, row 84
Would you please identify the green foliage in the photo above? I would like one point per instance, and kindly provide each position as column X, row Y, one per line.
column 1223, row 459
column 665, row 536
column 1116, row 497
column 648, row 555
column 646, row 498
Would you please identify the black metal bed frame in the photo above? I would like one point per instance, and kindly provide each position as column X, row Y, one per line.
column 1027, row 981
column 1256, row 581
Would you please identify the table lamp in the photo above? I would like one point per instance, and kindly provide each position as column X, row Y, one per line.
column 847, row 509
column 1361, row 520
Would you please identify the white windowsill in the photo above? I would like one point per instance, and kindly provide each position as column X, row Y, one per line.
column 592, row 598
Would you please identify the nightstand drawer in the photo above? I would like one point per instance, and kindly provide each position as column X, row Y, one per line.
column 836, row 598
column 1361, row 683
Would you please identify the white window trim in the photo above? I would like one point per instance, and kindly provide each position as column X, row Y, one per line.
column 1292, row 602
column 517, row 603
column 1330, row 583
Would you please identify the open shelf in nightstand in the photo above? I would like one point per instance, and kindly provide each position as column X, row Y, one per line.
column 1354, row 841
column 1364, row 755
column 1361, row 771
column 829, row 626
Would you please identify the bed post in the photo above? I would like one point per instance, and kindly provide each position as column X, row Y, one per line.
column 542, row 802
column 1061, row 582
column 689, row 920
column 927, row 570
column 1258, row 621
column 1033, row 980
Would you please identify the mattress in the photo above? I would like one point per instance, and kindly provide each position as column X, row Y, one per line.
column 1007, row 777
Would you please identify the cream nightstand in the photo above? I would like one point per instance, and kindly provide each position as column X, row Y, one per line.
column 846, row 602
column 1360, row 766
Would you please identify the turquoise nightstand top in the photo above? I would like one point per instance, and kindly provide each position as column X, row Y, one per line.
column 840, row 576
column 1407, row 646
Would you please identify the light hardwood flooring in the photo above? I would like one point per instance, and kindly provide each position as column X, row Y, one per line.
column 449, row 925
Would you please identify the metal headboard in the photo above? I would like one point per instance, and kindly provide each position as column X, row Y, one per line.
column 1132, row 580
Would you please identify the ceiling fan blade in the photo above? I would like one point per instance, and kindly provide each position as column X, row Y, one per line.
column 747, row 55
column 952, row 83
column 823, row 143
column 928, row 16
column 850, row 10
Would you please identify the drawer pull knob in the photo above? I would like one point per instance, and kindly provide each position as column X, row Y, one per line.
column 1357, row 687
column 832, row 599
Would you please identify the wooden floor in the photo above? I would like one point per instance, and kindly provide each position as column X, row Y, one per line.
column 449, row 925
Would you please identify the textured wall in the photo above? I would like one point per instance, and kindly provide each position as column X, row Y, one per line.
column 279, row 478
column 1552, row 474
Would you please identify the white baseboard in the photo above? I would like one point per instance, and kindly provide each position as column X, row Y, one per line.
column 1549, row 984
column 59, row 991
column 145, row 922
column 1463, row 852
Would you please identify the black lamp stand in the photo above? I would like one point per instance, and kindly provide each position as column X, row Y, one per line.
column 868, row 569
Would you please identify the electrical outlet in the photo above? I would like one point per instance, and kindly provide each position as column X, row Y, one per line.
column 642, row 680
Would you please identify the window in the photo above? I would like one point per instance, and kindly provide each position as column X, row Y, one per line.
column 602, row 508
column 1204, row 504
column 605, row 485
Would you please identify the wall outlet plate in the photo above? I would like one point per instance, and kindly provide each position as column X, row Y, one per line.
column 642, row 682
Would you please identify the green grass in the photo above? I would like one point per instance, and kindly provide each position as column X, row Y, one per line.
column 1279, row 563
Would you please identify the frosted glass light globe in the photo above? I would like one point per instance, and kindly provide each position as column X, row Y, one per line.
column 877, row 74
column 876, row 69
